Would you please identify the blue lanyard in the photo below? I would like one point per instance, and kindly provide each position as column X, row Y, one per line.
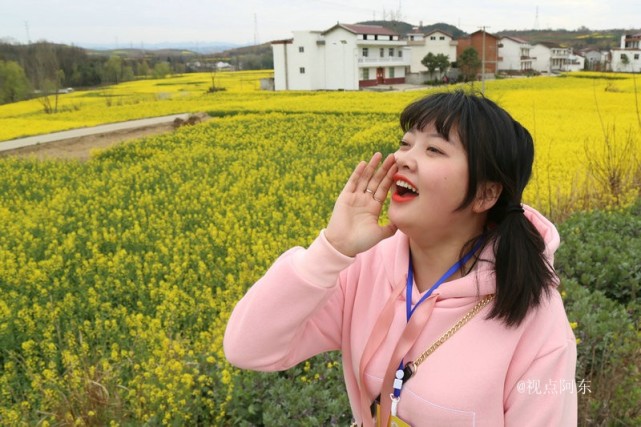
column 410, row 280
column 398, row 383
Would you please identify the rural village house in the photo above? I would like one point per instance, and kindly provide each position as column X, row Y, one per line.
column 487, row 46
column 550, row 57
column 351, row 57
column 518, row 55
column 627, row 58
column 514, row 55
column 344, row 57
column 595, row 60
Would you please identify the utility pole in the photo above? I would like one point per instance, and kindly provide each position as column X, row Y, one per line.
column 26, row 25
column 483, row 62
column 255, row 30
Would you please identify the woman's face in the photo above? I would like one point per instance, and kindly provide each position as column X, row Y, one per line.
column 431, row 183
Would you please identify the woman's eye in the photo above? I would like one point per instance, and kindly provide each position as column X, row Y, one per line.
column 434, row 150
column 402, row 143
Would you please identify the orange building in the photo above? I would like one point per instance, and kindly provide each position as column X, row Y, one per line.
column 477, row 40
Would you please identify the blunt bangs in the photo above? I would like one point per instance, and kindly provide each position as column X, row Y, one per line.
column 441, row 109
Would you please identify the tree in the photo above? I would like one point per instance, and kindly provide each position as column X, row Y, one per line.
column 47, row 76
column 625, row 60
column 14, row 85
column 143, row 68
column 442, row 62
column 161, row 69
column 429, row 61
column 113, row 69
column 469, row 63
column 433, row 62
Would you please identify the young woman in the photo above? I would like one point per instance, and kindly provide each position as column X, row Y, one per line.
column 447, row 316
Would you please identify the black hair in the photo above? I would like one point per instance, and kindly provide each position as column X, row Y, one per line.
column 501, row 150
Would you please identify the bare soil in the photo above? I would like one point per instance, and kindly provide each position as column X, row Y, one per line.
column 80, row 148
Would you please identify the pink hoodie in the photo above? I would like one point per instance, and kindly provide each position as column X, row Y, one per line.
column 316, row 300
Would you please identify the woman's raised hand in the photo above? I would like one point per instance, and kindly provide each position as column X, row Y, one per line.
column 353, row 227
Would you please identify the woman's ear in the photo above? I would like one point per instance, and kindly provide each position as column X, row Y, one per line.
column 486, row 196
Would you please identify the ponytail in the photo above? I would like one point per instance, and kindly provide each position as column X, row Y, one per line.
column 523, row 272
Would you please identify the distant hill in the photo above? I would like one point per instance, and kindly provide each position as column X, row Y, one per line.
column 197, row 47
column 579, row 39
column 403, row 27
column 143, row 53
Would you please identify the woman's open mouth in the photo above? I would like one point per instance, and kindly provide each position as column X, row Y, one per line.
column 405, row 190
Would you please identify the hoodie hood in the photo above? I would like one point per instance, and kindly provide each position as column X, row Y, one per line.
column 480, row 281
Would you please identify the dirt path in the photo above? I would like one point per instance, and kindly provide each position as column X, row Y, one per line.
column 80, row 148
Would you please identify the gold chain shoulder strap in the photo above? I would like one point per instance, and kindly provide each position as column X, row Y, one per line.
column 413, row 366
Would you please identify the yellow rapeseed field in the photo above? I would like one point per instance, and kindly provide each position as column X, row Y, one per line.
column 118, row 274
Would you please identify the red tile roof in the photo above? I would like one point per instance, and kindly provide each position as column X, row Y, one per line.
column 364, row 29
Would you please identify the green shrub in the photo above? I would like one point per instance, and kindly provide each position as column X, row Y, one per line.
column 602, row 251
column 309, row 394
column 601, row 277
column 608, row 358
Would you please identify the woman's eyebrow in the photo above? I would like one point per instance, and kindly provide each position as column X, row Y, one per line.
column 439, row 136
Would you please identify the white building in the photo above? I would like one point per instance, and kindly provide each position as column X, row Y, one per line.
column 550, row 57
column 344, row 57
column 595, row 60
column 627, row 58
column 515, row 55
column 435, row 42
column 575, row 62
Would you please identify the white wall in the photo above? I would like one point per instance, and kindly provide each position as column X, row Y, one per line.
column 634, row 60
column 340, row 65
column 281, row 54
column 541, row 61
column 510, row 54
column 308, row 60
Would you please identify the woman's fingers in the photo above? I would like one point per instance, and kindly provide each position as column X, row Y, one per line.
column 369, row 178
column 352, row 183
column 368, row 172
column 385, row 178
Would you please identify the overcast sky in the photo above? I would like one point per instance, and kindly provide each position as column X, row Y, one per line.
column 133, row 23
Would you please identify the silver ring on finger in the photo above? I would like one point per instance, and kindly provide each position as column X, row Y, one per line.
column 370, row 192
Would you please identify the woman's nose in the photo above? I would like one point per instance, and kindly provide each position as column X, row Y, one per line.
column 404, row 159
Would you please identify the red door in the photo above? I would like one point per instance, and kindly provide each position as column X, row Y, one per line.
column 380, row 75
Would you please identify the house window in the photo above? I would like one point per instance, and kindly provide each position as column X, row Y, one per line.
column 365, row 52
column 302, row 70
column 400, row 53
column 391, row 51
column 442, row 38
column 391, row 72
column 636, row 56
column 432, row 37
column 365, row 73
column 301, row 49
column 382, row 52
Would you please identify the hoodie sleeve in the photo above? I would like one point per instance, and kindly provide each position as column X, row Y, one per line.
column 292, row 313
